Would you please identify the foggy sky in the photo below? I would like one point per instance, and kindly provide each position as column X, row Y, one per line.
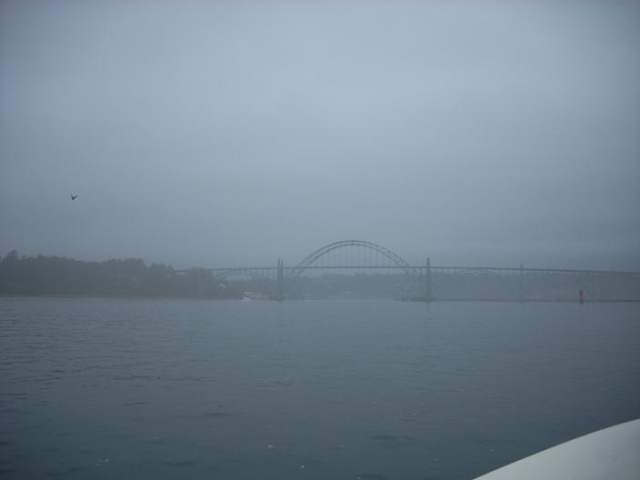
column 234, row 133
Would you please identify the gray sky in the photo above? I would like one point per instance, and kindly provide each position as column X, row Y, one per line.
column 234, row 133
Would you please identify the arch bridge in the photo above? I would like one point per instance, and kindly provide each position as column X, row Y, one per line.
column 447, row 283
column 342, row 255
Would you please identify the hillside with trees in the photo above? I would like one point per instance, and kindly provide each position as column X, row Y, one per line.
column 130, row 277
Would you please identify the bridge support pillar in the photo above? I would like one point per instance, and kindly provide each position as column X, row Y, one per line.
column 202, row 283
column 428, row 294
column 280, row 281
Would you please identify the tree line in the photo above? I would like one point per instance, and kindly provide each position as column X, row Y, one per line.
column 52, row 275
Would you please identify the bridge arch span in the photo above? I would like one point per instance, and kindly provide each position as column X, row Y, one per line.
column 317, row 254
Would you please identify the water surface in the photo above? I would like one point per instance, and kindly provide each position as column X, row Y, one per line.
column 154, row 389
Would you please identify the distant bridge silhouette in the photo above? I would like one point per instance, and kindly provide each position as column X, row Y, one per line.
column 429, row 283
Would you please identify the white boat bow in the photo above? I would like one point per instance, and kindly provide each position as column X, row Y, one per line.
column 612, row 454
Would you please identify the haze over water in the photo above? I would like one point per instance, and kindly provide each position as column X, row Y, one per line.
column 113, row 388
column 234, row 134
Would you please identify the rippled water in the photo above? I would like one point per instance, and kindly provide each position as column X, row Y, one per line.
column 110, row 388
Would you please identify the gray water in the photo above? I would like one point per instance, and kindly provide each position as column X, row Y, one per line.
column 153, row 389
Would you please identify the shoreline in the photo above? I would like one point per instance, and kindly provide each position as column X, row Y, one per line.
column 444, row 300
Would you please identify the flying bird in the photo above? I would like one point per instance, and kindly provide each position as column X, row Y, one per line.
column 73, row 197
